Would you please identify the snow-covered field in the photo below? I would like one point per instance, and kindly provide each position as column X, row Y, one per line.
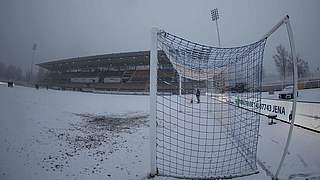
column 312, row 95
column 48, row 134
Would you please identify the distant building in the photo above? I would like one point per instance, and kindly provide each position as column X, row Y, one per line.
column 109, row 72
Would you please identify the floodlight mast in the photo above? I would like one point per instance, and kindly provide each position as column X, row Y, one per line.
column 215, row 17
column 286, row 21
column 34, row 48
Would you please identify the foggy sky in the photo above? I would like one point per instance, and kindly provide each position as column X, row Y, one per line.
column 73, row 28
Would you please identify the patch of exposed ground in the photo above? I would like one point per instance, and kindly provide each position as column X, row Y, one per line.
column 97, row 136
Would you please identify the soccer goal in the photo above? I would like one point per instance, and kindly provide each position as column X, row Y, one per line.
column 197, row 129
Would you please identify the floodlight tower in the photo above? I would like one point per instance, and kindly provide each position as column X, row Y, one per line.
column 215, row 17
column 34, row 48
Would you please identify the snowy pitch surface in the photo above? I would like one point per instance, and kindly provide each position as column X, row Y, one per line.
column 47, row 134
column 203, row 140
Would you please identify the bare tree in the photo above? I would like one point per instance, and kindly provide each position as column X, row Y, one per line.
column 303, row 67
column 10, row 72
column 281, row 60
column 284, row 64
column 3, row 68
column 27, row 76
column 13, row 73
column 42, row 73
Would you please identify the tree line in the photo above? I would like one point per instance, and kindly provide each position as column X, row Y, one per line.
column 15, row 73
column 10, row 72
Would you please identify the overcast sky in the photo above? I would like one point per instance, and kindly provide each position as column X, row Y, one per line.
column 72, row 28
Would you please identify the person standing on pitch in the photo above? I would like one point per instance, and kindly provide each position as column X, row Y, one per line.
column 198, row 95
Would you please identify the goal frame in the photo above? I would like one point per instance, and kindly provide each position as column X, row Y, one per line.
column 153, row 91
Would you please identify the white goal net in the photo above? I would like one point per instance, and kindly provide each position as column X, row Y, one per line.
column 201, row 130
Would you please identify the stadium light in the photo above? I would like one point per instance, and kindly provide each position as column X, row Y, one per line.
column 215, row 17
column 214, row 14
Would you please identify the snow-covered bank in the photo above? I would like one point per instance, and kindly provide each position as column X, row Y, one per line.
column 37, row 127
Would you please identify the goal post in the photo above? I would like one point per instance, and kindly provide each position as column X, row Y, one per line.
column 153, row 99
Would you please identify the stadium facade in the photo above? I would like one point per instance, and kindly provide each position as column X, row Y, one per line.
column 109, row 72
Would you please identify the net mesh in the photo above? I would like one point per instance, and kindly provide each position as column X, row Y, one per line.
column 208, row 126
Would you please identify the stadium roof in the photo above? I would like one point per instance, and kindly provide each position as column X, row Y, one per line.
column 115, row 59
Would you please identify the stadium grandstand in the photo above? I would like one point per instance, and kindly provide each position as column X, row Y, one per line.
column 126, row 72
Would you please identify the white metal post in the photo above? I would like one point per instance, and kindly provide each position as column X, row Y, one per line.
column 153, row 100
column 295, row 87
column 276, row 27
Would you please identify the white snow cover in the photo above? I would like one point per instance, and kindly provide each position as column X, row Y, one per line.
column 49, row 134
column 312, row 95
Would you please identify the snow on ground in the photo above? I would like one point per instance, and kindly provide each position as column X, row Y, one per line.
column 48, row 134
column 37, row 126
column 312, row 95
